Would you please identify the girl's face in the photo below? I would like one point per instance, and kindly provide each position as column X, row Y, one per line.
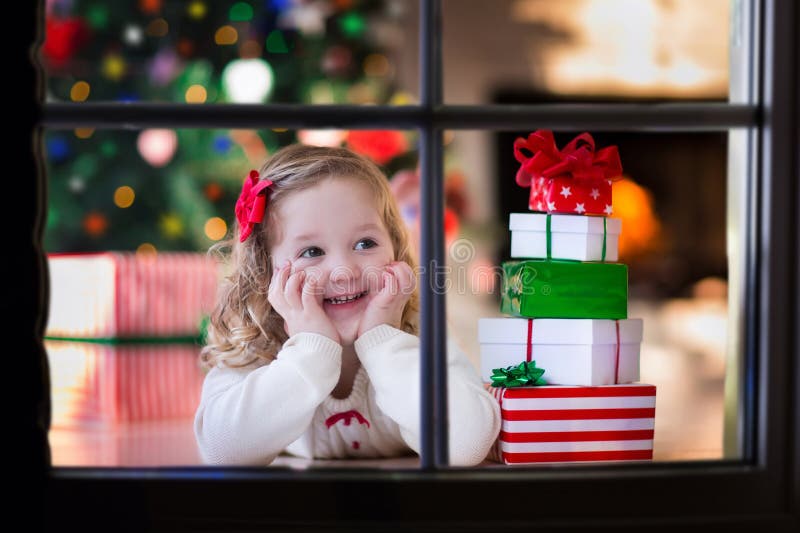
column 334, row 232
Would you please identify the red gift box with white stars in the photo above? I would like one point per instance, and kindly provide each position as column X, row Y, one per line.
column 568, row 196
column 574, row 180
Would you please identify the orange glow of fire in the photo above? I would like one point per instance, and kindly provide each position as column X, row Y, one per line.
column 641, row 228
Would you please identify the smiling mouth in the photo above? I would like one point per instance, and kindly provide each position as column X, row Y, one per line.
column 345, row 299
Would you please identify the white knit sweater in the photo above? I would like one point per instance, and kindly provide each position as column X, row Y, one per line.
column 248, row 416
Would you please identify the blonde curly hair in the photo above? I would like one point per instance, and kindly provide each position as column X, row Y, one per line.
column 244, row 329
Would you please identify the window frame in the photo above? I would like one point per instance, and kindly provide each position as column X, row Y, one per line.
column 762, row 489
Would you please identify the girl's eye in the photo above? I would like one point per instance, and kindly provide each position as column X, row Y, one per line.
column 311, row 249
column 369, row 244
column 315, row 251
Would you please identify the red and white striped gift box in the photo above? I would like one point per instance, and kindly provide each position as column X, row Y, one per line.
column 94, row 384
column 554, row 424
column 129, row 295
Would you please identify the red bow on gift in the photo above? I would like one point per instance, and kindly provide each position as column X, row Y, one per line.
column 578, row 159
column 251, row 204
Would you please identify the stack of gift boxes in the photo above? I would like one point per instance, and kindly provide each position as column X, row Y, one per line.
column 564, row 365
column 122, row 336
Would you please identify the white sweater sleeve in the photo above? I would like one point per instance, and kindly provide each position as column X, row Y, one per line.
column 248, row 416
column 391, row 358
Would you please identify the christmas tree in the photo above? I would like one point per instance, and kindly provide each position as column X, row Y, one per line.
column 165, row 189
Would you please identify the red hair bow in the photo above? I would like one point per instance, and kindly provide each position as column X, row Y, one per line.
column 578, row 159
column 251, row 204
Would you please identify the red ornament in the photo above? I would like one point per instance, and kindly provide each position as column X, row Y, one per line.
column 185, row 47
column 95, row 224
column 151, row 7
column 343, row 5
column 63, row 38
column 455, row 192
column 213, row 192
column 337, row 61
column 379, row 145
column 451, row 225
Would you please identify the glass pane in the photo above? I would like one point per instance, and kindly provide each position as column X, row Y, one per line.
column 586, row 50
column 680, row 248
column 274, row 51
column 130, row 217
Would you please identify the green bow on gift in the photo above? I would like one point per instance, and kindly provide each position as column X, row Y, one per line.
column 524, row 373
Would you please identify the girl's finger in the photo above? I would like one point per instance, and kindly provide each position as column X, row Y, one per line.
column 292, row 291
column 385, row 294
column 309, row 294
column 393, row 284
column 275, row 299
column 319, row 292
column 276, row 272
column 275, row 291
column 392, row 270
column 283, row 275
column 406, row 279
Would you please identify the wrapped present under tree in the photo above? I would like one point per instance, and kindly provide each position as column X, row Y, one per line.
column 97, row 384
column 125, row 295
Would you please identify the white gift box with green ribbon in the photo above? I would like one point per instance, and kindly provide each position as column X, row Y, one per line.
column 573, row 351
column 571, row 237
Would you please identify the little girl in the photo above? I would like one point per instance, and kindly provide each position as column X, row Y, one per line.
column 312, row 344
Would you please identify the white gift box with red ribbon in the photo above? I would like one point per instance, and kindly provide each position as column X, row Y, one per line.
column 96, row 384
column 575, row 237
column 571, row 351
column 551, row 424
column 128, row 295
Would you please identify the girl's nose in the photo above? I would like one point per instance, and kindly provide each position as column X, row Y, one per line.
column 345, row 276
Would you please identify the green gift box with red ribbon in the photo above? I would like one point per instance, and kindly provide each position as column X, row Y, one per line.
column 564, row 289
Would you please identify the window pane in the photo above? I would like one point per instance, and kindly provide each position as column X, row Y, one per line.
column 124, row 329
column 276, row 51
column 680, row 240
column 680, row 247
column 585, row 50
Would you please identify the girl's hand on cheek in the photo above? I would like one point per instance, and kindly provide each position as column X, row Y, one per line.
column 299, row 301
column 387, row 306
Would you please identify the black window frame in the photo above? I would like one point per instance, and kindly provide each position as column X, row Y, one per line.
column 761, row 491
